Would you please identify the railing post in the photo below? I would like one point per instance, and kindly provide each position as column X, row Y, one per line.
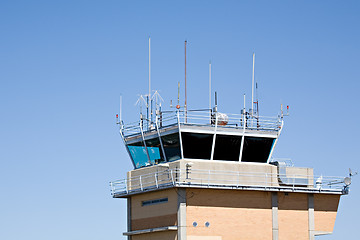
column 266, row 180
column 112, row 188
column 238, row 180
column 156, row 181
column 141, row 187
column 126, row 186
column 209, row 179
column 172, row 178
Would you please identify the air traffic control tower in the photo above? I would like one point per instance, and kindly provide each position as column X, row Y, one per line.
column 203, row 175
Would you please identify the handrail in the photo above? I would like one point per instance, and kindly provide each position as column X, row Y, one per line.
column 203, row 118
column 207, row 178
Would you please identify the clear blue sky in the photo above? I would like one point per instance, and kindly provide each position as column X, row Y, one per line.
column 64, row 64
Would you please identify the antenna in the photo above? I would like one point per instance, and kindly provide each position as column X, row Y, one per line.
column 257, row 98
column 178, row 99
column 210, row 85
column 141, row 100
column 252, row 90
column 149, row 97
column 243, row 112
column 257, row 105
column 282, row 111
column 158, row 99
column 351, row 173
column 178, row 102
column 120, row 108
column 185, row 87
column 244, row 104
column 215, row 102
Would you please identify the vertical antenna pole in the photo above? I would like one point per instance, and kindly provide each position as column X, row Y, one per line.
column 147, row 112
column 244, row 104
column 252, row 90
column 215, row 102
column 120, row 108
column 149, row 99
column 185, row 87
column 178, row 102
column 210, row 85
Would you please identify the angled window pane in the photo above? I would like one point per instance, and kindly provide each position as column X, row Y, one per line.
column 197, row 145
column 154, row 150
column 227, row 147
column 171, row 145
column 256, row 149
column 138, row 154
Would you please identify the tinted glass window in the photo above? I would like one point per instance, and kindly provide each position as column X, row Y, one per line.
column 138, row 154
column 171, row 145
column 197, row 145
column 154, row 150
column 256, row 149
column 227, row 147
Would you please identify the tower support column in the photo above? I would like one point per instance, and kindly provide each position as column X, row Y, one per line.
column 181, row 213
column 275, row 223
column 311, row 216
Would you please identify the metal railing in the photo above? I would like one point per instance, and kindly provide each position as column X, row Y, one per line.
column 224, row 179
column 202, row 118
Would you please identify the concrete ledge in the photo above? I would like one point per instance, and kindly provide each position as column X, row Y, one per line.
column 150, row 230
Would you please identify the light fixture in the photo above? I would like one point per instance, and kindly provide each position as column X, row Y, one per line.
column 347, row 181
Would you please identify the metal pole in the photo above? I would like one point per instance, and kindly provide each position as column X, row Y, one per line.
column 215, row 102
column 214, row 138
column 252, row 90
column 149, row 71
column 178, row 99
column 210, row 85
column 185, row 87
column 180, row 137
column 126, row 186
column 120, row 109
column 172, row 178
column 141, row 187
column 147, row 113
column 143, row 138
column 156, row 181
column 112, row 188
column 161, row 143
column 243, row 136
column 244, row 104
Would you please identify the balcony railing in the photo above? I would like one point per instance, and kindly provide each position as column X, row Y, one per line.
column 226, row 179
column 202, row 118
